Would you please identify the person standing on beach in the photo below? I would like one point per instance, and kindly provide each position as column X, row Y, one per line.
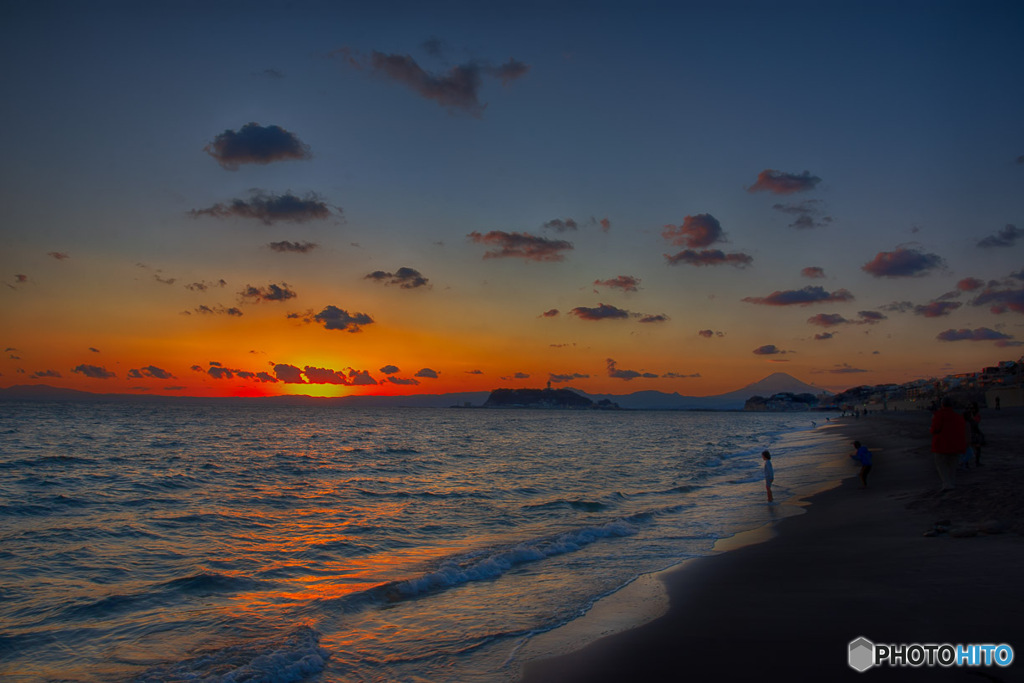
column 863, row 456
column 769, row 473
column 949, row 441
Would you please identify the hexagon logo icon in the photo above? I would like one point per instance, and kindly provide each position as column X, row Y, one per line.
column 862, row 654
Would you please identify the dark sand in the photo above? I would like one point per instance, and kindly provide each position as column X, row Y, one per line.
column 856, row 564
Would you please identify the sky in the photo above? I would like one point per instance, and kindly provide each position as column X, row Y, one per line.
column 337, row 198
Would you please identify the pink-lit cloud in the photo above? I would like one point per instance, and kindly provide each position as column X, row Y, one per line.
column 977, row 334
column 779, row 182
column 813, row 272
column 902, row 262
column 521, row 245
column 801, row 297
column 695, row 232
column 626, row 283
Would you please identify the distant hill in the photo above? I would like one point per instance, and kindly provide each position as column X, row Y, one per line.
column 776, row 383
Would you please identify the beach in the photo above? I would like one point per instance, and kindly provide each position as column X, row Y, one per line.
column 859, row 563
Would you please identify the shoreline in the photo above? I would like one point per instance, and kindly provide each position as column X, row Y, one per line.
column 858, row 564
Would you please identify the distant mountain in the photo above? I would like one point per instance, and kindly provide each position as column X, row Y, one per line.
column 776, row 383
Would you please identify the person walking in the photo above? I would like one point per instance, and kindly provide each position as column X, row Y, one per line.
column 863, row 456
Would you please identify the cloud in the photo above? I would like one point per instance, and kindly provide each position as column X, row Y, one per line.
column 676, row 375
column 324, row 376
column 778, row 182
column 626, row 375
column 408, row 381
column 823, row 336
column 978, row 334
column 521, row 245
column 808, row 214
column 708, row 334
column 626, row 283
column 271, row 208
column 93, row 371
column 833, row 319
column 360, row 378
column 43, row 374
column 289, row 374
column 813, row 272
column 406, row 278
column 1001, row 300
column 390, row 369
column 427, row 373
column 558, row 225
column 1006, row 237
column 150, row 371
column 558, row 379
column 871, row 317
column 602, row 312
column 204, row 286
column 606, row 224
column 902, row 262
column 654, row 318
column 216, row 310
column 768, row 350
column 59, row 255
column 334, row 318
column 937, row 309
column 969, row 284
column 256, row 144
column 552, row 313
column 710, row 257
column 843, row 369
column 801, row 297
column 697, row 231
column 456, row 89
column 272, row 292
column 293, row 247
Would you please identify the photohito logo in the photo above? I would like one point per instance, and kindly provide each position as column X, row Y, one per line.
column 863, row 654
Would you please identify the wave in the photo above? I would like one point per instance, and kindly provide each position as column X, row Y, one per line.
column 292, row 656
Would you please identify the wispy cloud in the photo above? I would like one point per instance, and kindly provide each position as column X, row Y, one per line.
column 708, row 334
column 807, row 214
column 903, row 262
column 970, row 284
column 1001, row 300
column 59, row 255
column 285, row 246
column 833, row 319
column 256, row 144
column 93, row 371
column 406, row 278
column 813, row 272
column 1006, row 237
column 977, row 334
column 769, row 350
column 521, row 245
column 271, row 208
column 937, row 309
column 456, row 89
column 626, row 283
column 562, row 378
column 801, row 297
column 709, row 257
column 779, row 182
column 617, row 373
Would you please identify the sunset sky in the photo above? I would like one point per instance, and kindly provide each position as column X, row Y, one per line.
column 332, row 198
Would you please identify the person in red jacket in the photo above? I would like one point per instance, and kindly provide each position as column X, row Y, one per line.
column 949, row 441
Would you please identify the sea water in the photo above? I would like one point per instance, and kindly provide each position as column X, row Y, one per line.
column 243, row 541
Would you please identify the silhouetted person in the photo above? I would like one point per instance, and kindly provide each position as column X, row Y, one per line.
column 769, row 473
column 863, row 456
column 949, row 441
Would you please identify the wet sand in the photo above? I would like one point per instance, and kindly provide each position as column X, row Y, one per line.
column 858, row 563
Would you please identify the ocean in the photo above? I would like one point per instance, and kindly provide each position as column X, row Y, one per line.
column 231, row 541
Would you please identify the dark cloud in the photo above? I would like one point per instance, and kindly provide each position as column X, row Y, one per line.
column 801, row 297
column 978, row 334
column 521, row 245
column 626, row 283
column 654, row 318
column 697, row 231
column 813, row 272
column 389, row 369
column 293, row 247
column 324, row 376
column 59, row 255
column 360, row 378
column 553, row 313
column 408, row 381
column 902, row 262
column 558, row 225
column 937, row 309
column 823, row 336
column 43, row 374
column 270, row 208
column 456, row 89
column 150, row 371
column 427, row 373
column 406, row 278
column 289, row 374
column 602, row 312
column 898, row 307
column 558, row 379
column 676, row 375
column 1001, row 300
column 808, row 214
column 843, row 369
column 833, row 319
column 871, row 317
column 768, row 350
column 204, row 286
column 218, row 372
column 334, row 318
column 256, row 144
column 1006, row 237
column 271, row 292
column 708, row 334
column 627, row 375
column 710, row 257
column 778, row 182
column 93, row 371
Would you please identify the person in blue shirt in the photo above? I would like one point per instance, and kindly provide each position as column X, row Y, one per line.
column 769, row 473
column 863, row 456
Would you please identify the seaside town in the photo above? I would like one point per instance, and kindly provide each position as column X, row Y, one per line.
column 999, row 386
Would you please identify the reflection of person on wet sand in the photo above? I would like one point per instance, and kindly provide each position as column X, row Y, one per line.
column 769, row 473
